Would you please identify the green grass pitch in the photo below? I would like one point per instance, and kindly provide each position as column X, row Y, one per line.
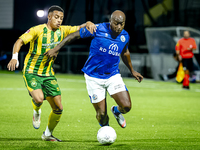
column 163, row 116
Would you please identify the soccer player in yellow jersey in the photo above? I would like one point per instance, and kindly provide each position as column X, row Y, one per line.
column 38, row 73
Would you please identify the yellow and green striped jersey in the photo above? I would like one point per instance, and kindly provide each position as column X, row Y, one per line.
column 41, row 40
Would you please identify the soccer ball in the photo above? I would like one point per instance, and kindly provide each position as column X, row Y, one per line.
column 106, row 135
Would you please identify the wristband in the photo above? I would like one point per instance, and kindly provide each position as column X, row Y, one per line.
column 15, row 56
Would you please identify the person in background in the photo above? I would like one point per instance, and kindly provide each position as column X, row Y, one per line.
column 184, row 50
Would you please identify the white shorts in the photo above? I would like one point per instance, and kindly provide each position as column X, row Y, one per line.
column 97, row 88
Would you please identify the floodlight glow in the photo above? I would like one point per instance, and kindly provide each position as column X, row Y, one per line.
column 40, row 13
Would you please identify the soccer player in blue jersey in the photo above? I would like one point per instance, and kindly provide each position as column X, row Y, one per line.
column 101, row 70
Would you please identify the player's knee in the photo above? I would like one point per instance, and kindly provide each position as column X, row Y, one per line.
column 126, row 108
column 60, row 107
column 39, row 99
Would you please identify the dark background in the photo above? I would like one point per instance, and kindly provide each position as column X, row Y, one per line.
column 184, row 13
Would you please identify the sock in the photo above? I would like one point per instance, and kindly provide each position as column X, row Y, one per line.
column 54, row 118
column 116, row 111
column 186, row 80
column 36, row 106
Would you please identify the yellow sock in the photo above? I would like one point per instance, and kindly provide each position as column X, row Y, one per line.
column 54, row 118
column 36, row 106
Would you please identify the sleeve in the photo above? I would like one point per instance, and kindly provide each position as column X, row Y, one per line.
column 29, row 35
column 177, row 47
column 69, row 29
column 84, row 33
column 194, row 44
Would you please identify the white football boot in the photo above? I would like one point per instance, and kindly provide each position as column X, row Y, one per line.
column 36, row 119
column 50, row 138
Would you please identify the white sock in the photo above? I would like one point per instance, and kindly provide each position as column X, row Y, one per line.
column 47, row 132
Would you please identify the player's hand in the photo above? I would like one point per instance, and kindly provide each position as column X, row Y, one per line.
column 91, row 27
column 190, row 49
column 179, row 58
column 137, row 76
column 13, row 64
column 51, row 53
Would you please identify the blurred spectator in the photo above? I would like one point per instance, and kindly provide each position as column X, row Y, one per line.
column 3, row 60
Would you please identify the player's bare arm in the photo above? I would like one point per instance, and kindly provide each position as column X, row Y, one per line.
column 89, row 26
column 125, row 55
column 14, row 63
column 67, row 40
column 179, row 56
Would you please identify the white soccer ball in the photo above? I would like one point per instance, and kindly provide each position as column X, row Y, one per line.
column 106, row 135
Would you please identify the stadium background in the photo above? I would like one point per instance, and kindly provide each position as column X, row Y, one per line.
column 17, row 16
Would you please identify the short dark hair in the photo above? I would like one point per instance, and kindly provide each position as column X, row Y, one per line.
column 55, row 7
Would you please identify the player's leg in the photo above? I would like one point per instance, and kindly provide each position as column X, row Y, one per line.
column 101, row 113
column 34, row 87
column 97, row 94
column 187, row 66
column 51, row 88
column 120, row 94
column 186, row 81
column 123, row 101
column 123, row 106
column 54, row 117
column 37, row 101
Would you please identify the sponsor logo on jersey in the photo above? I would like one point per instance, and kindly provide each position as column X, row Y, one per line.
column 48, row 45
column 106, row 34
column 112, row 49
column 123, row 39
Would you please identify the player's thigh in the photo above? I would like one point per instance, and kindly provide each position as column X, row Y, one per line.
column 118, row 91
column 96, row 91
column 122, row 99
column 34, row 86
column 37, row 95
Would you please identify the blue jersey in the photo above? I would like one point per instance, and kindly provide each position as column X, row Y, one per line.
column 105, row 50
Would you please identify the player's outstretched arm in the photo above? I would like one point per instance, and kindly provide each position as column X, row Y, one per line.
column 14, row 63
column 125, row 55
column 68, row 39
column 90, row 26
